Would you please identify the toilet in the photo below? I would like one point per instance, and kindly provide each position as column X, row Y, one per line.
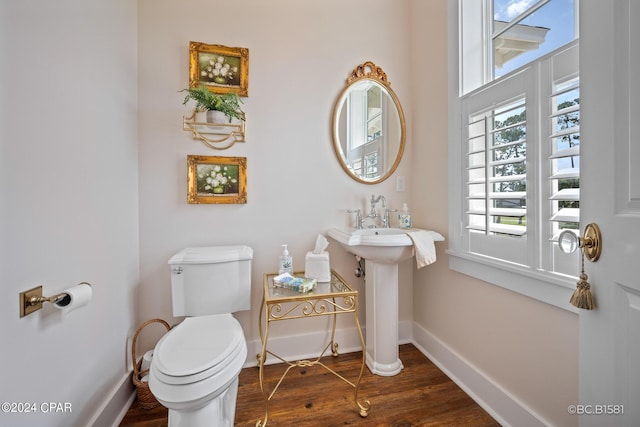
column 195, row 366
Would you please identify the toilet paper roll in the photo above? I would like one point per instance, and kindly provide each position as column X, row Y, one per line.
column 146, row 361
column 77, row 296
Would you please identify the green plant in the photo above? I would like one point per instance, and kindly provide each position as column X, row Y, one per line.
column 227, row 103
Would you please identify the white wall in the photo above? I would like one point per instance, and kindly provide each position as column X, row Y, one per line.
column 300, row 56
column 69, row 201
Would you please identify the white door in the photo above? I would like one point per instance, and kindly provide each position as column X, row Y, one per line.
column 610, row 155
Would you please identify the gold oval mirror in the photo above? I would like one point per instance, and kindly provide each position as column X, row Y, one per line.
column 368, row 126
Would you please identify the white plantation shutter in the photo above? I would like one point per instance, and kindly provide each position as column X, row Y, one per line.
column 497, row 129
column 521, row 172
column 565, row 157
column 496, row 177
column 562, row 168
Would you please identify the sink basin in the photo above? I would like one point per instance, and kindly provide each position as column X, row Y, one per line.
column 382, row 250
column 381, row 245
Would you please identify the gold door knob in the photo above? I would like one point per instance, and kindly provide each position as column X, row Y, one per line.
column 590, row 242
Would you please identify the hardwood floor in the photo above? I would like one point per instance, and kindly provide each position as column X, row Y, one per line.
column 421, row 395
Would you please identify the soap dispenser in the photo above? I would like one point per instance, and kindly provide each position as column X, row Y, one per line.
column 286, row 262
column 404, row 217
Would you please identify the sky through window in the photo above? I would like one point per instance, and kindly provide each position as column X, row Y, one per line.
column 557, row 15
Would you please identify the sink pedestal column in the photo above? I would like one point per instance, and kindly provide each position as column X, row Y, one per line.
column 382, row 249
column 381, row 287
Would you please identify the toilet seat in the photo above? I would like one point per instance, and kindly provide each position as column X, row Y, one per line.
column 198, row 348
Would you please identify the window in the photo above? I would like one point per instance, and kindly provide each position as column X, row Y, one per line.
column 525, row 30
column 500, row 36
column 515, row 145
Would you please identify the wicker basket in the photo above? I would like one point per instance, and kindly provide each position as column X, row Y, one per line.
column 146, row 399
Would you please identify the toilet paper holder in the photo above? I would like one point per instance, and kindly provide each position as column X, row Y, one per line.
column 32, row 300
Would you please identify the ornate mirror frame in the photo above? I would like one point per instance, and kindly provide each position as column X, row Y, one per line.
column 367, row 72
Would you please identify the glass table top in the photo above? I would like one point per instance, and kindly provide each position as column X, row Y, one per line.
column 337, row 286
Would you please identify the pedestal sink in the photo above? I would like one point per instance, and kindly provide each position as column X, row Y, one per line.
column 382, row 250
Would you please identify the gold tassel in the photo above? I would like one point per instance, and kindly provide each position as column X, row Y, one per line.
column 582, row 297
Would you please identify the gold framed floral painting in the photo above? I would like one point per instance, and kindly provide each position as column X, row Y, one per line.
column 215, row 179
column 220, row 68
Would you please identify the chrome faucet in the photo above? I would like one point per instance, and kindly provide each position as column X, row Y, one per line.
column 384, row 218
column 374, row 200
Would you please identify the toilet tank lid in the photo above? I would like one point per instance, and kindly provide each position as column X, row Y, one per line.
column 212, row 254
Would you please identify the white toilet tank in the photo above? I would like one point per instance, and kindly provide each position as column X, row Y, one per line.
column 211, row 280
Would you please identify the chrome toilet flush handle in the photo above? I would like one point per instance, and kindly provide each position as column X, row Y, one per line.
column 176, row 270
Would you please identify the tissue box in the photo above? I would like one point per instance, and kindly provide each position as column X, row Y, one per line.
column 316, row 266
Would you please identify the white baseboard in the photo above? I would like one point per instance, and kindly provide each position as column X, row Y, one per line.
column 116, row 404
column 499, row 403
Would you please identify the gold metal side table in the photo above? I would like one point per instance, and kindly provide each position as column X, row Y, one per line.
column 327, row 299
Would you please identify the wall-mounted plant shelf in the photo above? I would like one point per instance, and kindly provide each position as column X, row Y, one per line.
column 218, row 136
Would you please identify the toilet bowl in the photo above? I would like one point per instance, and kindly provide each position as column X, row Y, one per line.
column 195, row 366
column 195, row 370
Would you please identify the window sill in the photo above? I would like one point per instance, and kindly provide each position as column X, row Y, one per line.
column 543, row 286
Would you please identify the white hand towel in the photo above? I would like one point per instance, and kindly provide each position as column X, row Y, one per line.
column 423, row 247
